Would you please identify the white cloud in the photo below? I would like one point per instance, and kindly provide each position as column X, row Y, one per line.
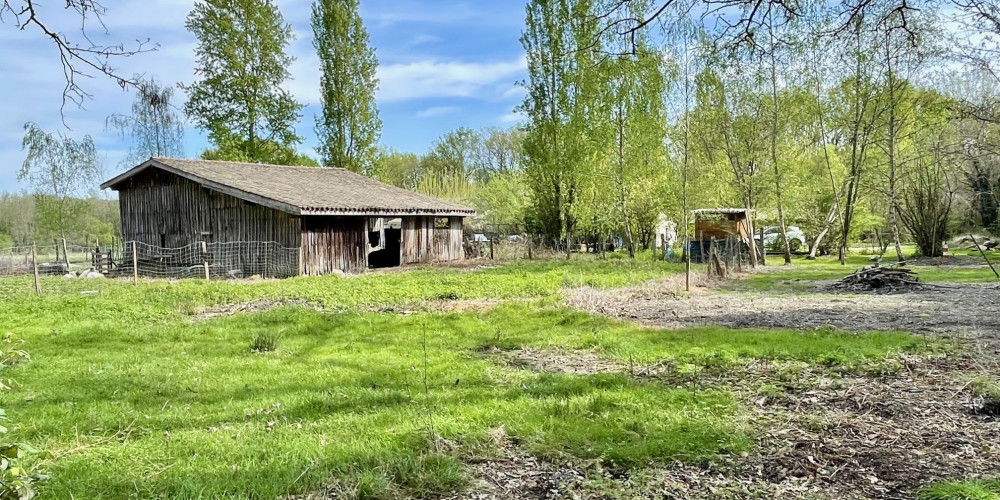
column 516, row 91
column 512, row 117
column 430, row 78
column 424, row 40
column 437, row 111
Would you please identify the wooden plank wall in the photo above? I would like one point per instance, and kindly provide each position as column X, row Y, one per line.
column 332, row 244
column 162, row 209
column 423, row 243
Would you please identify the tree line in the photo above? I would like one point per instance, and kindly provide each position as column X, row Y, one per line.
column 848, row 120
column 842, row 124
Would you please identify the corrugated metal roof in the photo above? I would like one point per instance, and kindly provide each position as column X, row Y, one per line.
column 302, row 190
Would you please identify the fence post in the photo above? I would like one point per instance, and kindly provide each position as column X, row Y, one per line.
column 34, row 264
column 204, row 255
column 530, row 241
column 135, row 263
column 491, row 248
column 763, row 248
column 65, row 254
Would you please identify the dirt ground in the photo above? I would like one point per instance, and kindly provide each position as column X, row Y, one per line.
column 944, row 309
column 875, row 435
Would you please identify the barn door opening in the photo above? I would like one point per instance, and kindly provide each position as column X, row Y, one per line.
column 391, row 239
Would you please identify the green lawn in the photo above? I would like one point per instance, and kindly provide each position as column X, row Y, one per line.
column 135, row 399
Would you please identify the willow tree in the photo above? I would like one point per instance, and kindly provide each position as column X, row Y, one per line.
column 154, row 128
column 59, row 169
column 349, row 126
column 560, row 105
column 242, row 64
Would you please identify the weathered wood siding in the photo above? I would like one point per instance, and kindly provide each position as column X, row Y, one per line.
column 423, row 243
column 163, row 209
column 333, row 244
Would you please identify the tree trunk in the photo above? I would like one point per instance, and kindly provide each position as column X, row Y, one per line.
column 774, row 150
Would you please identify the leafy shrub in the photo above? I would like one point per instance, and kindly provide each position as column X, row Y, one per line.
column 16, row 482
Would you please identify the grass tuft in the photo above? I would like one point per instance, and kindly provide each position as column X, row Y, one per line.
column 264, row 341
column 961, row 490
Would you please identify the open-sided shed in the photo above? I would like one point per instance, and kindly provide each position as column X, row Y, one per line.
column 722, row 225
column 337, row 219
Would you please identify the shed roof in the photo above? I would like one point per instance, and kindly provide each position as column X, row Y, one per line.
column 300, row 190
column 721, row 211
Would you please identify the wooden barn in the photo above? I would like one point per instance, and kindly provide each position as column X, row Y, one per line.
column 337, row 219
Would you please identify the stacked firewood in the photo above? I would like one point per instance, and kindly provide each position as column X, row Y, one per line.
column 880, row 279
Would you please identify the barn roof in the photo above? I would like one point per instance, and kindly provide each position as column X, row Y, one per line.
column 300, row 190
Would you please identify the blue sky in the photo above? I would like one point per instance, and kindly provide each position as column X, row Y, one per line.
column 443, row 64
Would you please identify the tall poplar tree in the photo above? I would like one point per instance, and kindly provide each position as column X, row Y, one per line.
column 241, row 62
column 562, row 107
column 349, row 127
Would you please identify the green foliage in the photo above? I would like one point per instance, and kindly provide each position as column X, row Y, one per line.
column 349, row 126
column 563, row 106
column 59, row 169
column 239, row 99
column 16, row 481
column 31, row 218
column 268, row 152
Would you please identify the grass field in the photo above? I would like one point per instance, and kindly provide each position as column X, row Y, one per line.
column 136, row 397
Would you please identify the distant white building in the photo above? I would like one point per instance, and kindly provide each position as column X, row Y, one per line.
column 666, row 232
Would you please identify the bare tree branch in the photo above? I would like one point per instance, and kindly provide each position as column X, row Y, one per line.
column 78, row 60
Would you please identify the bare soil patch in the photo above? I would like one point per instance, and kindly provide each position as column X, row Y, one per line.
column 508, row 472
column 822, row 434
column 259, row 305
column 970, row 309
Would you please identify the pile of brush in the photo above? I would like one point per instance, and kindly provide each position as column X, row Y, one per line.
column 880, row 279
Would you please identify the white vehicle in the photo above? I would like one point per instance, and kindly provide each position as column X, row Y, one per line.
column 772, row 237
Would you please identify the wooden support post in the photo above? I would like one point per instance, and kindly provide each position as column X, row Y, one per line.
column 34, row 265
column 987, row 259
column 763, row 248
column 135, row 263
column 65, row 254
column 530, row 241
column 491, row 248
column 204, row 255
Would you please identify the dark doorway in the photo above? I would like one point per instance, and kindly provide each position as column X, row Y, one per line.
column 388, row 256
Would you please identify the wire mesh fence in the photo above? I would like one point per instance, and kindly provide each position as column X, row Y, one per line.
column 56, row 259
column 231, row 260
